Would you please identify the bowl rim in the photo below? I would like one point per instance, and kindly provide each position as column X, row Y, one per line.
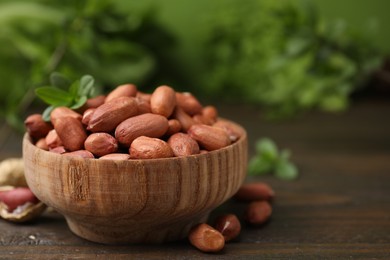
column 28, row 140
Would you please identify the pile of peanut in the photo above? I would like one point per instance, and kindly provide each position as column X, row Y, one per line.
column 227, row 227
column 129, row 124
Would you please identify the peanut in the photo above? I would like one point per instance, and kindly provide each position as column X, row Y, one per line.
column 125, row 90
column 143, row 106
column 87, row 115
column 211, row 113
column 17, row 197
column 71, row 132
column 174, row 127
column 149, row 148
column 255, row 191
column 188, row 103
column 233, row 130
column 115, row 156
column 150, row 125
column 80, row 153
column 112, row 113
column 101, row 144
column 258, row 212
column 206, row 238
column 53, row 140
column 228, row 225
column 211, row 138
column 183, row 145
column 144, row 96
column 185, row 120
column 59, row 112
column 36, row 126
column 201, row 119
column 41, row 143
column 163, row 101
column 58, row 149
column 92, row 103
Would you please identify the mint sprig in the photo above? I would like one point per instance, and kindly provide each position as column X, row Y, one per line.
column 268, row 159
column 63, row 92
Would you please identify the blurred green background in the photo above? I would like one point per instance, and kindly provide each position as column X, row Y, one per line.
column 285, row 56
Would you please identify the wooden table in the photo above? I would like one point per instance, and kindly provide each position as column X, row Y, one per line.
column 338, row 208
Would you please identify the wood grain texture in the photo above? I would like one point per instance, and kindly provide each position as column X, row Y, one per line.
column 135, row 201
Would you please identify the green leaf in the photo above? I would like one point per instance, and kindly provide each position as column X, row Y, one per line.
column 74, row 89
column 286, row 170
column 267, row 149
column 54, row 96
column 79, row 103
column 259, row 166
column 46, row 113
column 60, row 81
column 86, row 85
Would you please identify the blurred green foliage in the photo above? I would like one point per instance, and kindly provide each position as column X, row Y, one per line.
column 281, row 54
column 76, row 38
column 278, row 54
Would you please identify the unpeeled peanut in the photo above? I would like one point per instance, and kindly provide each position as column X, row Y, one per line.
column 71, row 132
column 258, row 212
column 115, row 156
column 184, row 119
column 87, row 115
column 150, row 125
column 36, row 127
column 206, row 238
column 183, row 145
column 229, row 226
column 52, row 139
column 233, row 130
column 188, row 103
column 80, row 153
column 41, row 143
column 101, row 144
column 106, row 117
column 163, row 101
column 255, row 191
column 145, row 147
column 125, row 90
column 211, row 138
column 59, row 112
column 174, row 127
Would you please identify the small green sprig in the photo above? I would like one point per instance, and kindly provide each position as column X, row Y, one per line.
column 63, row 92
column 268, row 159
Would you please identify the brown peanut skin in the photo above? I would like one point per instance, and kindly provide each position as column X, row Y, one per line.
column 71, row 132
column 255, row 191
column 143, row 106
column 115, row 157
column 183, row 145
column 211, row 113
column 211, row 138
column 125, row 90
column 163, row 101
column 87, row 115
column 206, row 238
column 144, row 96
column 92, row 103
column 59, row 112
column 36, row 127
column 174, row 127
column 101, row 144
column 80, row 153
column 110, row 114
column 52, row 139
column 150, row 125
column 201, row 119
column 258, row 212
column 185, row 120
column 232, row 129
column 41, row 143
column 58, row 149
column 149, row 148
column 188, row 103
column 229, row 226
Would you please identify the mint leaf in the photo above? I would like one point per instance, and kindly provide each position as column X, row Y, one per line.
column 86, row 85
column 267, row 148
column 54, row 96
column 79, row 103
column 286, row 170
column 46, row 113
column 74, row 89
column 259, row 166
column 60, row 81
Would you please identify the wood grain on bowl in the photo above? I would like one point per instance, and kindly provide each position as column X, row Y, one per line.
column 135, row 201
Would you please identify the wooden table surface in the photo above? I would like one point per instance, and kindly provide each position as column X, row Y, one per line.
column 338, row 208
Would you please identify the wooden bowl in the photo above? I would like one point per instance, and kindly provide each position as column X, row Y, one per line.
column 135, row 201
